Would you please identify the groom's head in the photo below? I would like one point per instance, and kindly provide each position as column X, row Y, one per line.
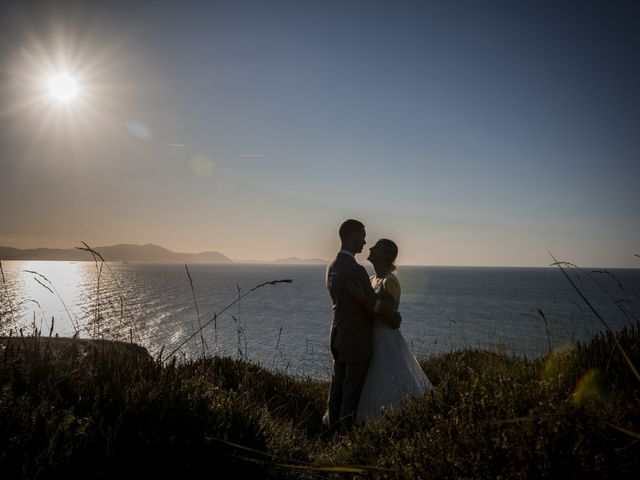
column 352, row 236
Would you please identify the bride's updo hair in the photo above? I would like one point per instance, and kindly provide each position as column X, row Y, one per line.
column 391, row 250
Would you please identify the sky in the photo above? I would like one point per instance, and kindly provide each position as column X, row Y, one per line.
column 471, row 133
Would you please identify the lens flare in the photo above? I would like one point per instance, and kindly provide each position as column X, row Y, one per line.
column 590, row 388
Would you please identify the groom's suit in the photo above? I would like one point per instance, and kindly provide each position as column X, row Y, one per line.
column 351, row 324
column 351, row 329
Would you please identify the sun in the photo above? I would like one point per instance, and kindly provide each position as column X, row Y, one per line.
column 63, row 87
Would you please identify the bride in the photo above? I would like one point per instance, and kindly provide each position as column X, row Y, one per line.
column 394, row 374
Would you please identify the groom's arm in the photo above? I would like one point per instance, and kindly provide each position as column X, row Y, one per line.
column 384, row 310
column 394, row 319
column 367, row 297
column 392, row 293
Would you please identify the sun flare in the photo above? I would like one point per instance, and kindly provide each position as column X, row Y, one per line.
column 63, row 87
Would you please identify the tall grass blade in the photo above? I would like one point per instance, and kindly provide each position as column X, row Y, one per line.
column 624, row 430
column 546, row 327
column 95, row 254
column 215, row 315
column 598, row 316
column 291, row 464
column 197, row 310
column 54, row 291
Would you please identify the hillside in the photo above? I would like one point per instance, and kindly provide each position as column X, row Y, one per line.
column 95, row 409
column 115, row 253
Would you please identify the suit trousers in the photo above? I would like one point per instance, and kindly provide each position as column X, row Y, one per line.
column 344, row 394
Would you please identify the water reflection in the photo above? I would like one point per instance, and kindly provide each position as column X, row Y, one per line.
column 40, row 291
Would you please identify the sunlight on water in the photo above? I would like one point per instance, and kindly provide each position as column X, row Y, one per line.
column 53, row 288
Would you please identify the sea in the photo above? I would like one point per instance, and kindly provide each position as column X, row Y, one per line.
column 279, row 316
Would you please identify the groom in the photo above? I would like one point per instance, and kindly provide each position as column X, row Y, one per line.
column 351, row 326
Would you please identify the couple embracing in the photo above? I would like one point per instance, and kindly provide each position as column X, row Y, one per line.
column 373, row 369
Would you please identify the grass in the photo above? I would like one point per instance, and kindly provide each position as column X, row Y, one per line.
column 105, row 412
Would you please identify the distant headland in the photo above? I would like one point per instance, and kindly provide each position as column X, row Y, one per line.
column 149, row 253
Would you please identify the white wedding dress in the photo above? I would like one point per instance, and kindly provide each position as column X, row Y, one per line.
column 394, row 374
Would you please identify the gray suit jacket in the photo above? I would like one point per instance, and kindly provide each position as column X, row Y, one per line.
column 352, row 323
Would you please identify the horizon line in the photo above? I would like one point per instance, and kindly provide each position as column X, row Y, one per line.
column 293, row 258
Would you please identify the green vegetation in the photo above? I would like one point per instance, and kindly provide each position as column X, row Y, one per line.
column 102, row 410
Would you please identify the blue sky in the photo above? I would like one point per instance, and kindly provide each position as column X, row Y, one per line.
column 472, row 133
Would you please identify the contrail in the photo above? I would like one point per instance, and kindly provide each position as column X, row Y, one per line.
column 257, row 155
column 178, row 145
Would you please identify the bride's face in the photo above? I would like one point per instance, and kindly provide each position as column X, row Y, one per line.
column 376, row 253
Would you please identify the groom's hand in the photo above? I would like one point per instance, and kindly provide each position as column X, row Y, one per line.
column 395, row 320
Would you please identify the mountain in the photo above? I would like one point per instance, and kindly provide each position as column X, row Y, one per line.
column 115, row 253
column 301, row 261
